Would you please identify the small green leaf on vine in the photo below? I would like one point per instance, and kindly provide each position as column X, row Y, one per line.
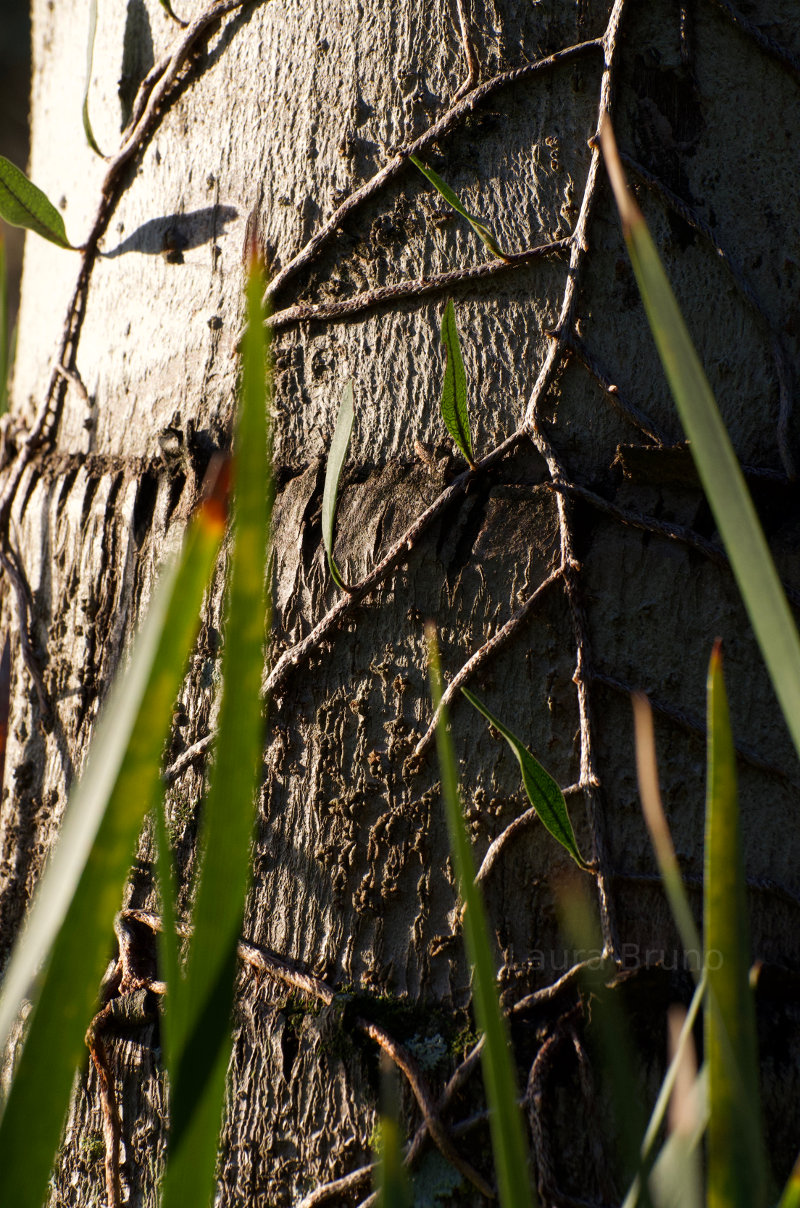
column 543, row 791
column 336, row 459
column 87, row 123
column 22, row 204
column 454, row 388
column 480, row 228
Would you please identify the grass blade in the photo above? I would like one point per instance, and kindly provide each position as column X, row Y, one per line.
column 505, row 1122
column 167, row 939
column 201, row 1011
column 81, row 889
column 672, row 1184
column 22, row 204
column 480, row 228
column 791, row 1192
column 736, row 1161
column 391, row 1182
column 660, row 837
column 662, row 1103
column 543, row 791
column 336, row 459
column 87, row 124
column 714, row 457
column 454, row 388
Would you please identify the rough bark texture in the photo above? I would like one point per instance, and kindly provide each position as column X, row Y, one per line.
column 284, row 109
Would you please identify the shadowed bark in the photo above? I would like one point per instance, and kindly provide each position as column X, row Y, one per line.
column 299, row 118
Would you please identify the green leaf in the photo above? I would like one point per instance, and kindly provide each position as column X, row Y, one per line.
column 674, row 1177
column 168, row 958
column 714, row 457
column 736, row 1166
column 505, row 1121
column 165, row 4
column 22, row 204
column 336, row 459
column 87, row 124
column 60, row 958
column 454, row 389
column 543, row 791
column 480, row 228
column 201, row 1012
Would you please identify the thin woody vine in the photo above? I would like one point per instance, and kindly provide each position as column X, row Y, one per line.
column 132, row 739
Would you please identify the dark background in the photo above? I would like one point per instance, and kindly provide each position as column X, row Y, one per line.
column 15, row 82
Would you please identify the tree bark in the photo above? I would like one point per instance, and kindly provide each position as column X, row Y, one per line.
column 280, row 114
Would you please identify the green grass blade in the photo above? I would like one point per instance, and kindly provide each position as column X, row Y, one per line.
column 736, row 1162
column 454, row 388
column 543, row 791
column 505, row 1121
column 673, row 1180
column 480, row 228
column 791, row 1192
column 333, row 471
column 714, row 457
column 87, row 123
column 659, row 1112
column 81, row 889
column 5, row 335
column 201, row 1012
column 660, row 837
column 22, row 204
column 392, row 1186
column 168, row 958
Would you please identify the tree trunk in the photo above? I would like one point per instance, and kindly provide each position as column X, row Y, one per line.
column 281, row 112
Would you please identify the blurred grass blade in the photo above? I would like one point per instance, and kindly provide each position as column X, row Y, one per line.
column 660, row 837
column 736, row 1160
column 671, row 1181
column 678, row 1084
column 391, row 1182
column 454, row 387
column 480, row 228
column 336, row 459
column 22, row 204
column 5, row 335
column 543, row 791
column 201, row 1013
column 87, row 123
column 791, row 1192
column 505, row 1121
column 714, row 457
column 167, row 939
column 81, row 889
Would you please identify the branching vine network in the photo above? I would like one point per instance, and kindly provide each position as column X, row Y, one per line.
column 156, row 94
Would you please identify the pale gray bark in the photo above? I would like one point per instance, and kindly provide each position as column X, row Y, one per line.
column 290, row 108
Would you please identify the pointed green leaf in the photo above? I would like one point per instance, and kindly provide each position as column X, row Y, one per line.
column 543, row 791
column 480, row 228
column 165, row 4
column 336, row 459
column 22, row 204
column 61, row 955
column 505, row 1121
column 200, row 1017
column 454, row 388
column 736, row 1170
column 87, row 124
